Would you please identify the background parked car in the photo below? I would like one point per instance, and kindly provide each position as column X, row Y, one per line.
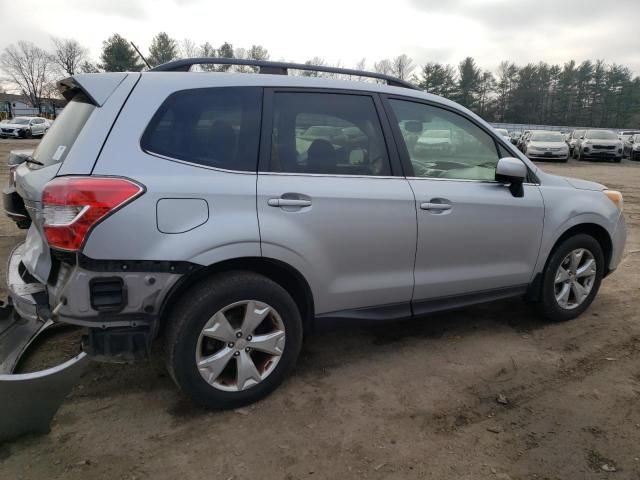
column 547, row 145
column 624, row 134
column 504, row 133
column 523, row 140
column 599, row 144
column 25, row 127
column 574, row 139
column 631, row 147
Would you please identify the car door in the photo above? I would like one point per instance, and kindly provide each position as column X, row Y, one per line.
column 474, row 237
column 333, row 204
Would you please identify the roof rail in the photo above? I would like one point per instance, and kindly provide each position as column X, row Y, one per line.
column 276, row 68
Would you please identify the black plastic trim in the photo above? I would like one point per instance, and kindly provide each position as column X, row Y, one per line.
column 452, row 302
column 277, row 68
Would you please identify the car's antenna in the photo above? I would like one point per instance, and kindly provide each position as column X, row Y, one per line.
column 141, row 56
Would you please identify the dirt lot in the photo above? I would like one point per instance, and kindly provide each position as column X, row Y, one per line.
column 410, row 400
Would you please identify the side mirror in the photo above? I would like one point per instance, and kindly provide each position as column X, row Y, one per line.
column 512, row 171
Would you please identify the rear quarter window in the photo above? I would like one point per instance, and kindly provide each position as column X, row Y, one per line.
column 62, row 134
column 213, row 127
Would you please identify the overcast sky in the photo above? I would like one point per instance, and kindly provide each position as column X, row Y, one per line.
column 347, row 30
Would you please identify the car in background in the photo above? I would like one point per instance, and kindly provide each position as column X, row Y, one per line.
column 546, row 145
column 25, row 127
column 504, row 133
column 599, row 144
column 574, row 139
column 523, row 140
column 624, row 134
column 514, row 137
column 435, row 141
column 631, row 147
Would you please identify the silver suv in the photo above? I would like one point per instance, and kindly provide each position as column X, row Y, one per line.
column 231, row 214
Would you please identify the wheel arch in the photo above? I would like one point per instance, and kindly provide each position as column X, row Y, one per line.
column 283, row 274
column 593, row 229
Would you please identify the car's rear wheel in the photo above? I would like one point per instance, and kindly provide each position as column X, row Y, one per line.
column 571, row 278
column 233, row 340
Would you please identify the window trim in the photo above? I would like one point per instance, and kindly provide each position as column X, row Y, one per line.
column 404, row 153
column 253, row 171
column 264, row 162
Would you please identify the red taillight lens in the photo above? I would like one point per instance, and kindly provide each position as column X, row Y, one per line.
column 74, row 205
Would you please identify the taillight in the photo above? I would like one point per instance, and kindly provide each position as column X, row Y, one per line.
column 72, row 206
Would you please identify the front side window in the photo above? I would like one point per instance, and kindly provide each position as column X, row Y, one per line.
column 214, row 127
column 325, row 133
column 443, row 144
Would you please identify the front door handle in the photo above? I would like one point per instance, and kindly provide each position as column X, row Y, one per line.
column 438, row 207
column 288, row 202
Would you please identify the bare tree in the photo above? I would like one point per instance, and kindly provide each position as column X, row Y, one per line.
column 188, row 49
column 28, row 68
column 68, row 55
column 362, row 64
column 402, row 66
column 383, row 66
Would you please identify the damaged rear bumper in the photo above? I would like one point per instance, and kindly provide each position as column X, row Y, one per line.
column 28, row 401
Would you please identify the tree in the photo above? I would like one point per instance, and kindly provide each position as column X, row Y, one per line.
column 206, row 50
column 438, row 79
column 28, row 68
column 89, row 67
column 69, row 55
column 468, row 83
column 315, row 61
column 163, row 49
column 225, row 51
column 402, row 66
column 118, row 55
column 188, row 49
column 383, row 66
column 487, row 87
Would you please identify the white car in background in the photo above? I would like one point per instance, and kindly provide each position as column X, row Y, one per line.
column 25, row 127
column 435, row 141
column 547, row 145
column 504, row 134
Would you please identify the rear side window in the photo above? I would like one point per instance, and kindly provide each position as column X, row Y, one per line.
column 56, row 144
column 326, row 133
column 215, row 127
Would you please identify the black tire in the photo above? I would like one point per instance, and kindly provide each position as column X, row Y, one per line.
column 618, row 160
column 194, row 310
column 547, row 304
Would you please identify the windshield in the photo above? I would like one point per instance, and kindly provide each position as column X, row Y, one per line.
column 601, row 135
column 56, row 144
column 577, row 133
column 546, row 137
column 636, row 138
column 20, row 121
column 502, row 131
column 437, row 134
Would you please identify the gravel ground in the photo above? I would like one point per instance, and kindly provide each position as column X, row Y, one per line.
column 406, row 400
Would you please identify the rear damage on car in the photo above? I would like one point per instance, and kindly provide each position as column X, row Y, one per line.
column 52, row 194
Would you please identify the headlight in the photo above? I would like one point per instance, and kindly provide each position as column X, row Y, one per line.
column 587, row 142
column 615, row 197
column 636, row 147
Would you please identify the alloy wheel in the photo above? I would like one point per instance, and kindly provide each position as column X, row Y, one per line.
column 575, row 278
column 240, row 345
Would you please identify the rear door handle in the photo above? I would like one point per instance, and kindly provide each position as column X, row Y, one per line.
column 435, row 206
column 288, row 202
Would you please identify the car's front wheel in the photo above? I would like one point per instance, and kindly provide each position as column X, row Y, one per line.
column 571, row 278
column 233, row 339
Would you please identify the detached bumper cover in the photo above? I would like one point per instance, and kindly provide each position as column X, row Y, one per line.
column 28, row 401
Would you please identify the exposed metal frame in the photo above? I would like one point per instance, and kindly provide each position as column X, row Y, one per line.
column 277, row 68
